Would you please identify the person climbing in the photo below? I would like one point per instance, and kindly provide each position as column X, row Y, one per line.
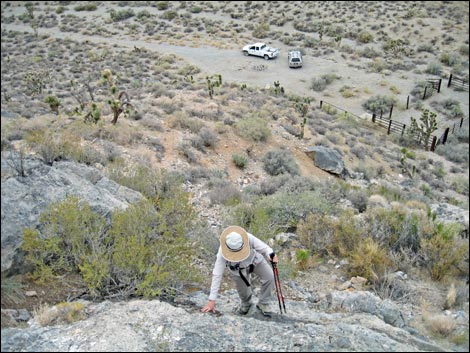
column 243, row 253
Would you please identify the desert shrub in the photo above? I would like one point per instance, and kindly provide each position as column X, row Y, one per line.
column 394, row 287
column 64, row 312
column 181, row 121
column 377, row 65
column 369, row 259
column 280, row 161
column 439, row 324
column 451, row 107
column 286, row 209
column 369, row 52
column 162, row 5
column 144, row 251
column 261, row 30
column 225, row 194
column 449, row 59
column 70, row 234
column 444, row 252
column 271, row 185
column 365, row 37
column 298, row 184
column 378, row 104
column 316, row 233
column 207, row 136
column 346, row 235
column 86, row 7
column 302, row 257
column 418, row 89
column 240, row 160
column 320, row 83
column 359, row 199
column 169, row 15
column 454, row 152
column 254, row 128
column 434, row 68
column 398, row 228
column 426, row 48
column 121, row 15
column 254, row 219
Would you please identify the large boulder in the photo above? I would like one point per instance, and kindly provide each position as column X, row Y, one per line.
column 327, row 159
column 25, row 198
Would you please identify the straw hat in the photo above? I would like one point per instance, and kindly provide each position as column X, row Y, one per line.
column 235, row 244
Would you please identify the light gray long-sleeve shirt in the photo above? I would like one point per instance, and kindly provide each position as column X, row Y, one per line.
column 258, row 250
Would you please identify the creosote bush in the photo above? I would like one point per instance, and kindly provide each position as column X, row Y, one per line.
column 143, row 251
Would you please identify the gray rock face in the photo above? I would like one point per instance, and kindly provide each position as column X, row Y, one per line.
column 24, row 199
column 141, row 325
column 327, row 159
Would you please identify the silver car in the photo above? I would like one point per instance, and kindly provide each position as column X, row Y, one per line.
column 294, row 58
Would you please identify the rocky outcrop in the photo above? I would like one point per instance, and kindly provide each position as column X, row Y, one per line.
column 327, row 159
column 25, row 198
column 152, row 325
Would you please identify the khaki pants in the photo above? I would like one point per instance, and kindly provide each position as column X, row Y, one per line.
column 266, row 276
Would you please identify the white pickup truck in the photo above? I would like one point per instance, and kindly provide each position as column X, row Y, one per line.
column 260, row 49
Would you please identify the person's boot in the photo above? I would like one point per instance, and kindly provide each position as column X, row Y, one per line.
column 242, row 309
column 265, row 309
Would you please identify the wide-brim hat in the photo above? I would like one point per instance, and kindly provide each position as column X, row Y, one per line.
column 235, row 244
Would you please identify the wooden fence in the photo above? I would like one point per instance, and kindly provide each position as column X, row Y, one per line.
column 394, row 127
column 434, row 85
column 458, row 82
column 450, row 130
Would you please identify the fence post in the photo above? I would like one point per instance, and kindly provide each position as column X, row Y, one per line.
column 450, row 80
column 407, row 102
column 389, row 127
column 391, row 109
column 433, row 144
column 321, row 103
column 439, row 86
column 444, row 138
column 424, row 95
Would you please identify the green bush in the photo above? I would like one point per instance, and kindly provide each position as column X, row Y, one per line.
column 70, row 235
column 145, row 250
column 365, row 37
column 316, row 233
column 240, row 160
column 121, row 15
column 86, row 7
column 445, row 253
column 256, row 129
column 369, row 260
column 378, row 104
column 319, row 84
column 286, row 209
column 398, row 228
column 280, row 161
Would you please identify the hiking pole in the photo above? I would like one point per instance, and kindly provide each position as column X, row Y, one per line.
column 278, row 288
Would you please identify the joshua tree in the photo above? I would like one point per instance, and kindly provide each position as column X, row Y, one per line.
column 426, row 127
column 302, row 109
column 213, row 81
column 120, row 103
